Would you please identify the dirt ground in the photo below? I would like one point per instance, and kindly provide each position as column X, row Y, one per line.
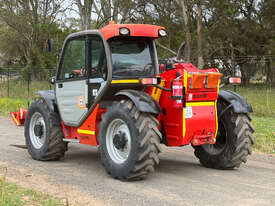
column 179, row 179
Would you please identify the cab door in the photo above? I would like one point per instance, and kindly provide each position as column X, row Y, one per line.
column 83, row 76
column 71, row 84
column 97, row 67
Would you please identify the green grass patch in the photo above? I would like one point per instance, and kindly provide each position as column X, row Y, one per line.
column 261, row 98
column 13, row 195
column 8, row 105
column 264, row 133
column 19, row 88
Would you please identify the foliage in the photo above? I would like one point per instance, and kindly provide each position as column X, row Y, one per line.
column 230, row 30
column 26, row 26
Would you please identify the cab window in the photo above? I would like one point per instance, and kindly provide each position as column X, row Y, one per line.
column 97, row 58
column 73, row 60
column 133, row 56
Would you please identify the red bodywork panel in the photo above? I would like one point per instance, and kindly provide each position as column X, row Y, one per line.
column 197, row 122
column 86, row 133
column 142, row 30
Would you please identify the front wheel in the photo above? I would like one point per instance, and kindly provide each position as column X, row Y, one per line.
column 233, row 142
column 129, row 141
column 43, row 139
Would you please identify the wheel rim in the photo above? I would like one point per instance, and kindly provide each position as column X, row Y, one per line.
column 220, row 144
column 118, row 141
column 37, row 130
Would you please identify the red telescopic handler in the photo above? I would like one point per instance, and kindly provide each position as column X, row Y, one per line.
column 112, row 93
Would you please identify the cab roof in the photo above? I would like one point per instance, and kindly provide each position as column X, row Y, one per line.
column 142, row 30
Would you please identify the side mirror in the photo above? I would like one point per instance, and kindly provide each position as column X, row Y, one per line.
column 52, row 80
column 169, row 64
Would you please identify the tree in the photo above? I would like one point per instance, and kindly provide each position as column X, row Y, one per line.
column 199, row 30
column 97, row 13
column 113, row 10
column 85, row 12
column 26, row 27
column 186, row 18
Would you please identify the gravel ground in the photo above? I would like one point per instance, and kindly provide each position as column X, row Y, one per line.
column 179, row 179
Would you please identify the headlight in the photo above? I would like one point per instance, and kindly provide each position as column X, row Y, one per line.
column 124, row 31
column 162, row 32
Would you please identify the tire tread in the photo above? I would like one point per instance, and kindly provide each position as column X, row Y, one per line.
column 242, row 141
column 149, row 139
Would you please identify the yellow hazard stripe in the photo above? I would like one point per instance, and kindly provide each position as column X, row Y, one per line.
column 185, row 81
column 216, row 108
column 156, row 93
column 125, row 81
column 14, row 119
column 217, row 122
column 183, row 113
column 85, row 131
column 184, row 124
column 194, row 104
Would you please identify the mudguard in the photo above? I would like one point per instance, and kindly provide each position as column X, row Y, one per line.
column 239, row 103
column 143, row 101
column 49, row 97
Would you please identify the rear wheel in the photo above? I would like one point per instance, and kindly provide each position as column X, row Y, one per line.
column 43, row 139
column 234, row 141
column 129, row 141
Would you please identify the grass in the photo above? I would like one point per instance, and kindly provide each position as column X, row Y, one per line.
column 261, row 98
column 13, row 195
column 264, row 134
column 18, row 94
column 19, row 88
column 8, row 105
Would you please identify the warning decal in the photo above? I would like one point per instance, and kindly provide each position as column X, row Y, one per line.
column 188, row 112
column 81, row 102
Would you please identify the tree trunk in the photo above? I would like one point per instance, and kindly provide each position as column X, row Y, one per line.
column 187, row 54
column 199, row 30
column 85, row 11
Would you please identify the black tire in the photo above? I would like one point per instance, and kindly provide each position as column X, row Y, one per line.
column 233, row 143
column 145, row 142
column 53, row 147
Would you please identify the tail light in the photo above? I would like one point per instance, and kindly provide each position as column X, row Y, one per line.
column 234, row 80
column 213, row 80
column 177, row 93
column 197, row 80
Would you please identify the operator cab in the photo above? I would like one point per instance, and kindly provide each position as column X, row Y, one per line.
column 96, row 64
